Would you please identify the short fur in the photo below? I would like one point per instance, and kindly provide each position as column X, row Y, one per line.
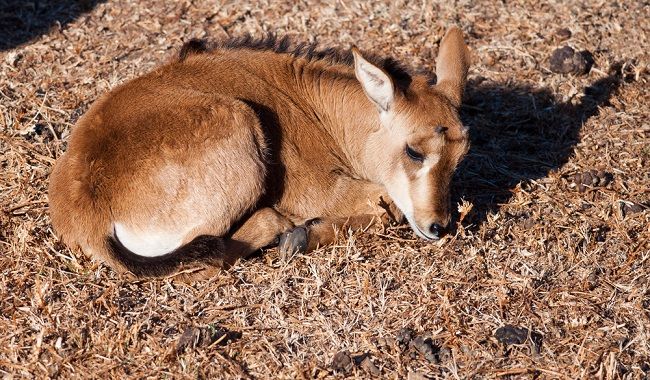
column 236, row 144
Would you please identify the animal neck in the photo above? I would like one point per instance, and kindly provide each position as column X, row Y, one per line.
column 348, row 116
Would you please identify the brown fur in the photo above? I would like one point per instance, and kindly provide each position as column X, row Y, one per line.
column 234, row 144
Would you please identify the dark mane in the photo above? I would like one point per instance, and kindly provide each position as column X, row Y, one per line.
column 308, row 51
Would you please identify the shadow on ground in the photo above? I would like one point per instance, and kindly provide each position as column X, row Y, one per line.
column 22, row 21
column 518, row 134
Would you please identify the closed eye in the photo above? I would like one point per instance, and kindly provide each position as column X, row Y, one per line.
column 414, row 155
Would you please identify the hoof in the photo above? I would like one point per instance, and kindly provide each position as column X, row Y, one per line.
column 293, row 241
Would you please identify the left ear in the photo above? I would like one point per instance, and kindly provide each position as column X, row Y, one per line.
column 376, row 83
column 452, row 66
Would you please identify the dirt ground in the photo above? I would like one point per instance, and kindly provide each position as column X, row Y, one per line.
column 547, row 274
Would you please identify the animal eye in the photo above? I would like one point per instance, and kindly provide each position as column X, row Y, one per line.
column 414, row 155
column 440, row 129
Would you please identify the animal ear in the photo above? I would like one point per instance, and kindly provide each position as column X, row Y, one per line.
column 376, row 83
column 452, row 65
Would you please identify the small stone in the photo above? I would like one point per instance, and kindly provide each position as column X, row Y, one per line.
column 629, row 207
column 565, row 60
column 592, row 280
column 563, row 34
column 370, row 367
column 590, row 179
column 510, row 334
column 416, row 376
column 444, row 355
column 577, row 178
column 425, row 347
column 602, row 177
column 342, row 362
column 189, row 339
column 404, row 336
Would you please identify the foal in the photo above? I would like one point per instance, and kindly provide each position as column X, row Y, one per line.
column 223, row 151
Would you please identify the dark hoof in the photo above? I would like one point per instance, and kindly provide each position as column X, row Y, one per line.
column 293, row 241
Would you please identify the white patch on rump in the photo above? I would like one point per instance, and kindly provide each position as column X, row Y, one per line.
column 147, row 243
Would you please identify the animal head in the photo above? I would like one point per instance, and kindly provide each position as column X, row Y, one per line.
column 421, row 140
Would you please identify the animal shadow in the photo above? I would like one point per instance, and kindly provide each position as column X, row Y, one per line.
column 21, row 21
column 519, row 133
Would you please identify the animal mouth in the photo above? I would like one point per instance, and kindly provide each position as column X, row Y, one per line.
column 419, row 231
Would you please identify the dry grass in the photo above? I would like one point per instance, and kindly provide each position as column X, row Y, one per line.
column 533, row 251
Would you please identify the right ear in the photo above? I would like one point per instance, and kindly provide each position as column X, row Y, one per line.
column 452, row 65
column 376, row 83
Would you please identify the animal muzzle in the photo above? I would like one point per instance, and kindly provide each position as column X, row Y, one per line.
column 436, row 231
column 431, row 230
column 432, row 225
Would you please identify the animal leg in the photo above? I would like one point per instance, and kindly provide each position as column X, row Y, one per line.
column 321, row 231
column 260, row 230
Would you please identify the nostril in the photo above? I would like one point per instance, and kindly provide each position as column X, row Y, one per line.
column 435, row 229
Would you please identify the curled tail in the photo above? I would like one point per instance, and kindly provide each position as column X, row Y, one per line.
column 203, row 252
